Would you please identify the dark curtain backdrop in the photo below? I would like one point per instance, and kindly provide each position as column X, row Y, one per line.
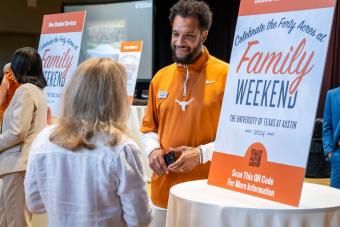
column 221, row 36
column 220, row 39
column 332, row 69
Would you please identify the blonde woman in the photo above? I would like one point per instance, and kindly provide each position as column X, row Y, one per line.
column 84, row 171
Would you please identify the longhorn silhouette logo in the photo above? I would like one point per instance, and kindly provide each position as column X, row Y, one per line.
column 184, row 104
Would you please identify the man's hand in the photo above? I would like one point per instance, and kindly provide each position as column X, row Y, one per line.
column 4, row 86
column 189, row 159
column 6, row 80
column 157, row 163
column 11, row 78
column 329, row 155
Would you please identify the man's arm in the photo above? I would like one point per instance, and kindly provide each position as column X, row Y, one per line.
column 4, row 88
column 150, row 137
column 151, row 142
column 154, row 153
column 327, row 128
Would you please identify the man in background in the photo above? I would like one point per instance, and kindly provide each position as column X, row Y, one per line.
column 331, row 134
column 184, row 105
column 7, row 88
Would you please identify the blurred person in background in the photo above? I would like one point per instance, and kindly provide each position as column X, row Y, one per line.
column 331, row 134
column 23, row 119
column 8, row 85
column 84, row 171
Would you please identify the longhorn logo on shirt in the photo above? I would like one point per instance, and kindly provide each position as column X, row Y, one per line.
column 184, row 104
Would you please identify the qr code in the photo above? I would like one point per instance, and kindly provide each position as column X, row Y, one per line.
column 255, row 158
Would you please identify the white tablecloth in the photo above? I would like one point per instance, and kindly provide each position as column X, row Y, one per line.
column 197, row 204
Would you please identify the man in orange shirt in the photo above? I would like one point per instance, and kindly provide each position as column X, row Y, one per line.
column 8, row 86
column 184, row 105
column 7, row 89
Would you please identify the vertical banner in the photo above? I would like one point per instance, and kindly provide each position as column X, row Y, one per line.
column 129, row 57
column 271, row 97
column 59, row 48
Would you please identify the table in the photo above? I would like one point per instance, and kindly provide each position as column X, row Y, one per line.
column 198, row 204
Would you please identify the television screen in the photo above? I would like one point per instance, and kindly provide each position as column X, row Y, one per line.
column 108, row 24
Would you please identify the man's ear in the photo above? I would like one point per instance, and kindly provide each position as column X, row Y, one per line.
column 11, row 76
column 204, row 36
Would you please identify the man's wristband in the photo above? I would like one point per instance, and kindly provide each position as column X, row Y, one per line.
column 200, row 153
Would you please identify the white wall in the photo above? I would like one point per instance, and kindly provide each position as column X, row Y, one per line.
column 16, row 17
column 20, row 25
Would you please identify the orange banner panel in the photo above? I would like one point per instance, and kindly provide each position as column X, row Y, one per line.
column 63, row 22
column 254, row 7
column 132, row 46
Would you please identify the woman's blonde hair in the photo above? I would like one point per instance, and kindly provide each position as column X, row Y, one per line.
column 95, row 103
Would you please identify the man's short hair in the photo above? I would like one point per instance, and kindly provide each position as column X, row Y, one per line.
column 192, row 8
column 6, row 67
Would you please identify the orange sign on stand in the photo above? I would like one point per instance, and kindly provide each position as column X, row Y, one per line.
column 59, row 48
column 129, row 57
column 271, row 97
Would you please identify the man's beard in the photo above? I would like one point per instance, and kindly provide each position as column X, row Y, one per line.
column 189, row 58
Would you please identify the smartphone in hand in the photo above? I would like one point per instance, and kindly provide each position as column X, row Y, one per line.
column 169, row 158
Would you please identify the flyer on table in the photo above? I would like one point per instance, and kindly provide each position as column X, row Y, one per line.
column 129, row 57
column 271, row 97
column 59, row 48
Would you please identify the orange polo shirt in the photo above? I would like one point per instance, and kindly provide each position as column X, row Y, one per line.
column 13, row 85
column 193, row 126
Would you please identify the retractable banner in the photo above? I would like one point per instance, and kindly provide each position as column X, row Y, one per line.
column 59, row 48
column 271, row 97
column 129, row 57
